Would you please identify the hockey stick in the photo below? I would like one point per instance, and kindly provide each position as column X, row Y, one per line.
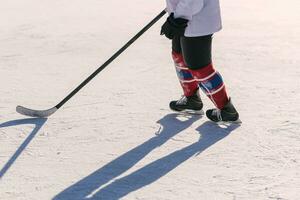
column 46, row 113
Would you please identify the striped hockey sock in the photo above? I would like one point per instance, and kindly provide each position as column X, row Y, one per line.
column 211, row 82
column 187, row 81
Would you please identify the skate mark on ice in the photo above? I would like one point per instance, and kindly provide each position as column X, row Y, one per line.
column 171, row 125
column 38, row 122
column 90, row 187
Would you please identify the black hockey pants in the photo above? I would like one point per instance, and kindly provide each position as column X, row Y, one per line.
column 196, row 51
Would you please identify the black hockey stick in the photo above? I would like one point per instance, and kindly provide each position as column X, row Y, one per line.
column 46, row 113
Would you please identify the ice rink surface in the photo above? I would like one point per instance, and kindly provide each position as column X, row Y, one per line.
column 117, row 138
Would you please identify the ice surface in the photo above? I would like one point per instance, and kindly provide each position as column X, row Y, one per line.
column 117, row 139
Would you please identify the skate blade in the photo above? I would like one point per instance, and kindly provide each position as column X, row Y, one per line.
column 191, row 112
column 237, row 122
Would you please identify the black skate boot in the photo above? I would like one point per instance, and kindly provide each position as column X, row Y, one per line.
column 227, row 114
column 192, row 104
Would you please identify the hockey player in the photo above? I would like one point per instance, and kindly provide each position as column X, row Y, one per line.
column 191, row 25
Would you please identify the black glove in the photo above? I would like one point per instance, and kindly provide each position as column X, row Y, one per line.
column 174, row 27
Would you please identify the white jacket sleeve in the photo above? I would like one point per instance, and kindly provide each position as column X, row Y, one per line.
column 187, row 8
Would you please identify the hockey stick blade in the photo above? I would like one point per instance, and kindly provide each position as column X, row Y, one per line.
column 36, row 113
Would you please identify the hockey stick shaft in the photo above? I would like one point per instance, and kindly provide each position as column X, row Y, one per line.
column 112, row 58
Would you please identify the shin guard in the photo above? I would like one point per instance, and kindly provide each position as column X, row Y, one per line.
column 211, row 82
column 187, row 81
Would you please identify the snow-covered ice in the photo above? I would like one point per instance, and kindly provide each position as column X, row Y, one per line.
column 117, row 139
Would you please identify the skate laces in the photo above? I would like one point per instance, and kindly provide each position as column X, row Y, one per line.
column 217, row 113
column 182, row 100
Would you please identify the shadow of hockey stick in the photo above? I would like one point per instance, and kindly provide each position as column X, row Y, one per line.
column 38, row 122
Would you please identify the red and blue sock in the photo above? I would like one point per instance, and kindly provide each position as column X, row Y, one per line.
column 185, row 76
column 212, row 84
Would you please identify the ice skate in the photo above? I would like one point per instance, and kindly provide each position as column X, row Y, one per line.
column 227, row 114
column 191, row 104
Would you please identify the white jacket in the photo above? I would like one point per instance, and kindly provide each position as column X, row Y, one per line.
column 204, row 15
